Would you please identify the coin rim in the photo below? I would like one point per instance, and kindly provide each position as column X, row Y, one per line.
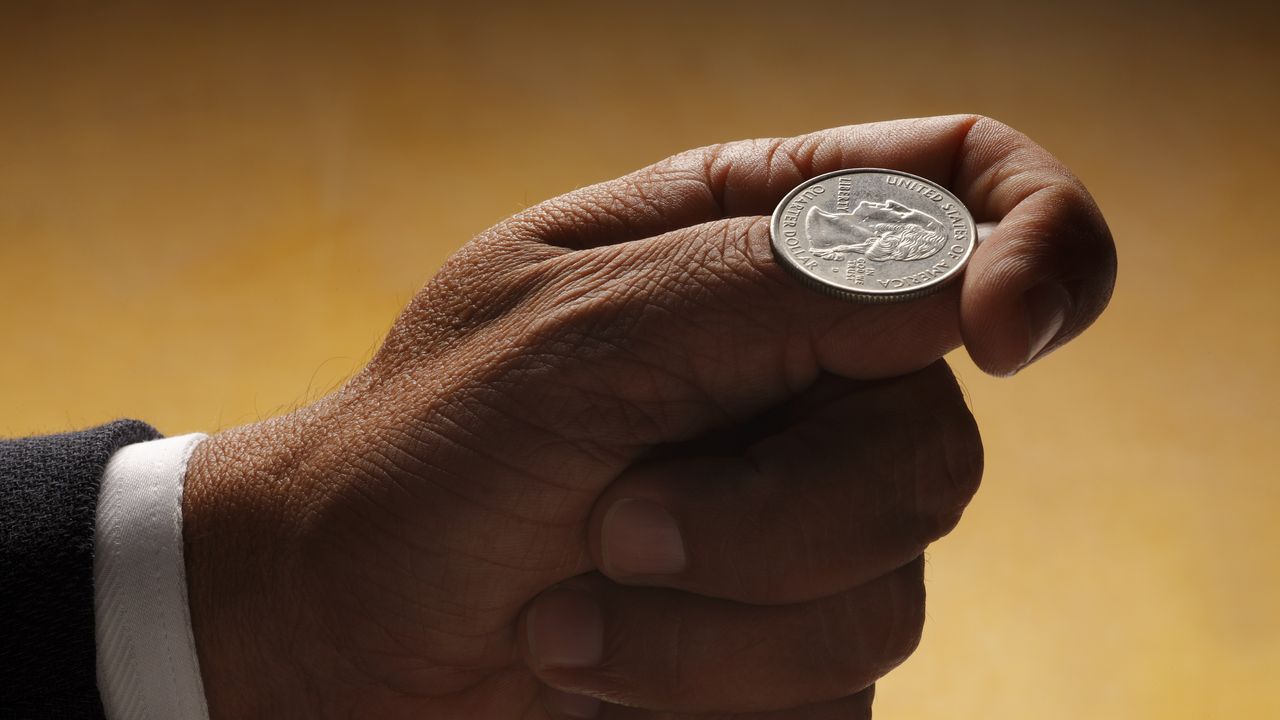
column 868, row 296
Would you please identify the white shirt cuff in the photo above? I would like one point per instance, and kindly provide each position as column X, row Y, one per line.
column 147, row 664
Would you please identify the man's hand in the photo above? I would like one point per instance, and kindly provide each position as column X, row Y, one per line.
column 612, row 450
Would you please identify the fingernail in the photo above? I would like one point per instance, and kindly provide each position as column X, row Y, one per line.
column 565, row 629
column 1047, row 307
column 563, row 704
column 641, row 538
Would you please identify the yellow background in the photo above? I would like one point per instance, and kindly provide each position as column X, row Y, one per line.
column 208, row 215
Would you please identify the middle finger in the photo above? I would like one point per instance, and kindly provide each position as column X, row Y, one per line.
column 859, row 481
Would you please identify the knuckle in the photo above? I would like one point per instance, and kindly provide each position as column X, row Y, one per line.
column 1064, row 236
column 945, row 453
column 1072, row 214
column 702, row 164
column 943, row 492
column 966, row 455
column 884, row 621
column 766, row 158
column 907, row 610
column 674, row 186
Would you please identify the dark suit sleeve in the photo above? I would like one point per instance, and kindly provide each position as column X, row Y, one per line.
column 48, row 499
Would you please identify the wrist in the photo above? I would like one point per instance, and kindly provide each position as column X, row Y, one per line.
column 242, row 502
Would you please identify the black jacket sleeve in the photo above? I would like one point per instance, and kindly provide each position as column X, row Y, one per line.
column 48, row 499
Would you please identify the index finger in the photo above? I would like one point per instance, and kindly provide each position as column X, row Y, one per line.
column 1044, row 274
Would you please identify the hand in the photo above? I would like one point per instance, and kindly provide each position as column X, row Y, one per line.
column 613, row 451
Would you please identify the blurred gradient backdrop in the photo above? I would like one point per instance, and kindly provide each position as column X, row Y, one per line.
column 210, row 213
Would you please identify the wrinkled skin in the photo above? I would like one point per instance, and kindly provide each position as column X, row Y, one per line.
column 471, row 527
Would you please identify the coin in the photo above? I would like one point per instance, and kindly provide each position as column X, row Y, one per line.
column 873, row 235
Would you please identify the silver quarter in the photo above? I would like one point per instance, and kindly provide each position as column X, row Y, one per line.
column 873, row 235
